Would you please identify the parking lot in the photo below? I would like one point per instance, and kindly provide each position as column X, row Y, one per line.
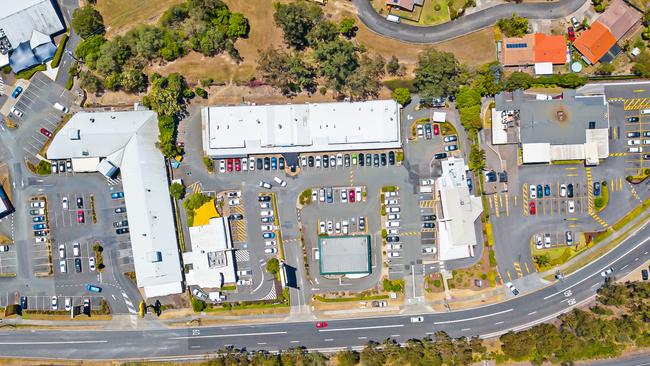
column 7, row 260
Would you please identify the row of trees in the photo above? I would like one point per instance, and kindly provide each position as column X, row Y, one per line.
column 205, row 26
column 579, row 335
column 321, row 50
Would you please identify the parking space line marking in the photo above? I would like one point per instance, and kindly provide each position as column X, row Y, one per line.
column 526, row 265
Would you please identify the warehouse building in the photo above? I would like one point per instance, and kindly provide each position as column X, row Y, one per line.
column 6, row 207
column 344, row 255
column 564, row 127
column 238, row 131
column 26, row 30
column 127, row 141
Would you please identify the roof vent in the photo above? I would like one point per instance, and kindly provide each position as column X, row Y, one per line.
column 92, row 120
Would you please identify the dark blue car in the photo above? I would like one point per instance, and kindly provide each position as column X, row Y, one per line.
column 17, row 91
column 117, row 195
column 547, row 190
column 274, row 163
column 470, row 185
column 596, row 188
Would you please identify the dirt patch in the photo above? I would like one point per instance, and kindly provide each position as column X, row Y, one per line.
column 121, row 15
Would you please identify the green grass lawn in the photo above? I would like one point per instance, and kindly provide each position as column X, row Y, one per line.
column 425, row 15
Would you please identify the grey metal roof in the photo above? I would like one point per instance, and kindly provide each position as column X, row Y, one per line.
column 556, row 121
column 344, row 254
column 19, row 18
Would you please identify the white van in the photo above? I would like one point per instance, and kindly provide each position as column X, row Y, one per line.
column 280, row 182
column 635, row 149
column 645, row 111
column 60, row 107
column 392, row 18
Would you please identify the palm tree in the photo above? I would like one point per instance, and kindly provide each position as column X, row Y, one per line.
column 542, row 260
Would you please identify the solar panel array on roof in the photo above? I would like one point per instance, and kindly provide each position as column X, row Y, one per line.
column 517, row 45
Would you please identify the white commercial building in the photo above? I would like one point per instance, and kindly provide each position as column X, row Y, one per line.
column 212, row 259
column 236, row 131
column 127, row 140
column 460, row 209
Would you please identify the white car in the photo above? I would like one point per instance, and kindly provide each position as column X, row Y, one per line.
column 233, row 202
column 607, row 272
column 395, row 246
column 75, row 249
column 263, row 184
column 427, row 182
column 390, row 202
column 337, row 227
column 270, row 251
column 62, row 251
column 267, row 228
column 247, row 282
column 512, row 288
column 429, row 250
column 321, row 195
column 394, row 216
column 392, row 209
column 303, row 161
column 392, row 224
column 270, row 243
column 547, row 240
column 265, row 204
column 357, row 194
column 62, row 266
column 634, row 149
column 280, row 182
column 391, row 194
column 633, row 142
column 393, row 254
column 417, row 319
column 321, row 227
column 64, row 202
column 314, row 195
column 244, row 272
column 532, row 191
column 562, row 190
column 538, row 242
column 55, row 303
column 266, row 212
column 91, row 263
column 571, row 206
column 339, row 160
column 392, row 231
column 317, row 161
column 222, row 166
column 39, row 239
column 68, row 304
column 344, row 196
column 244, row 164
column 420, row 130
column 17, row 112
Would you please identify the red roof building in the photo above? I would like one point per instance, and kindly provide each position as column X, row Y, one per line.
column 595, row 42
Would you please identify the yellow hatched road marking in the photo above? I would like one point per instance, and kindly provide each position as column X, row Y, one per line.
column 518, row 269
column 509, row 277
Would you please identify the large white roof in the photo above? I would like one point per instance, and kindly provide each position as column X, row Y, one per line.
column 19, row 18
column 212, row 256
column 460, row 209
column 244, row 130
column 128, row 140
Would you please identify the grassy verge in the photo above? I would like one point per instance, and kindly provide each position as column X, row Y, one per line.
column 631, row 215
column 400, row 83
column 567, row 162
column 247, row 307
column 229, row 288
column 447, row 128
column 351, row 298
column 601, row 201
column 554, row 257
column 27, row 74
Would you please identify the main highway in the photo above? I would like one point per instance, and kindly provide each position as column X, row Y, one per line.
column 465, row 24
column 517, row 313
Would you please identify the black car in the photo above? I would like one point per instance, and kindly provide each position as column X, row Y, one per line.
column 281, row 163
column 503, row 177
column 80, row 202
column 362, row 223
column 368, row 159
column 310, row 161
column 326, row 161
column 375, row 159
column 440, row 155
column 267, row 163
column 392, row 239
column 428, row 217
column 122, row 230
column 428, row 131
column 391, row 157
column 346, row 160
column 236, row 217
column 644, row 274
column 428, row 225
column 569, row 188
column 383, row 159
column 77, row 265
column 264, row 198
column 361, row 161
column 633, row 119
column 23, row 302
column 260, row 164
column 120, row 210
column 491, row 176
column 646, row 156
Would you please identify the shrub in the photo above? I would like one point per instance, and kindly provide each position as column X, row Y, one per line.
column 59, row 51
column 436, row 7
column 27, row 74
column 208, row 164
column 437, row 283
column 198, row 305
column 201, row 93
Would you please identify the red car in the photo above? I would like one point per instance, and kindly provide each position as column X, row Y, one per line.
column 80, row 217
column 571, row 33
column 436, row 129
column 531, row 208
column 321, row 325
column 237, row 165
column 229, row 165
column 351, row 196
column 46, row 132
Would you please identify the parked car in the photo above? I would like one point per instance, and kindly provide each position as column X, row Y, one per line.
column 264, row 198
column 569, row 190
column 77, row 265
column 62, row 266
column 532, row 191
column 16, row 92
column 268, row 235
column 644, row 274
column 569, row 238
column 80, row 202
column 596, row 188
column 54, row 303
column 632, row 119
column 547, row 190
column 122, row 223
column 75, row 249
column 451, row 147
column 512, row 288
column 80, row 217
column 428, row 131
column 436, row 129
column 270, row 250
column 547, row 240
column 266, row 213
column 428, row 217
column 122, row 230
column 538, row 242
column 120, row 210
column 117, row 195
column 392, row 239
column 440, row 155
column 571, row 207
column 44, row 131
column 531, row 208
column 274, row 163
column 38, row 218
column 563, row 190
column 633, row 134
column 199, row 294
column 428, row 225
column 236, row 216
column 39, row 226
column 571, row 33
column 93, row 288
column 450, row 138
column 23, row 302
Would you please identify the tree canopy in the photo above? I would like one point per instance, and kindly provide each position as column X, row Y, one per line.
column 515, row 26
column 402, row 96
column 437, row 74
column 87, row 21
column 286, row 71
column 296, row 21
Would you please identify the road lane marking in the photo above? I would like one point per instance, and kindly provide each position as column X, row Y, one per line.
column 52, row 342
column 362, row 328
column 474, row 318
column 465, row 329
column 532, row 313
column 227, row 335
column 328, row 339
column 604, row 268
column 497, row 323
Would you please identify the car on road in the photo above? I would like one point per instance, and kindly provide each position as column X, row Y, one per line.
column 77, row 265
column 45, row 132
column 91, row 263
column 596, row 188
column 16, row 92
column 451, row 147
column 531, row 208
column 80, row 217
column 417, row 319
column 512, row 288
column 441, row 155
column 93, row 288
column 54, row 303
column 122, row 230
column 547, row 190
column 632, row 119
column 18, row 113
column 607, row 272
column 264, row 184
column 562, row 190
column 450, row 138
column 270, row 250
column 569, row 189
column 321, row 325
column 571, row 206
column 117, row 195
column 532, row 191
column 120, row 210
column 538, row 242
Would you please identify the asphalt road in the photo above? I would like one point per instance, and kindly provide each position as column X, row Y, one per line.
column 463, row 25
column 520, row 312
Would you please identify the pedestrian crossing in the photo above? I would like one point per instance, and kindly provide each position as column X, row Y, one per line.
column 636, row 104
column 590, row 191
column 427, row 204
column 242, row 256
column 618, row 154
column 599, row 220
column 2, row 86
column 195, row 187
column 129, row 304
column 114, row 182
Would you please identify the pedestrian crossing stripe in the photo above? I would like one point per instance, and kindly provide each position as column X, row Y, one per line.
column 616, row 99
column 636, row 103
column 617, row 154
column 518, row 269
column 427, row 204
column 599, row 220
column 410, row 233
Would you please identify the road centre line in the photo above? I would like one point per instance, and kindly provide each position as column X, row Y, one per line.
column 598, row 272
column 474, row 318
column 227, row 335
column 362, row 328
